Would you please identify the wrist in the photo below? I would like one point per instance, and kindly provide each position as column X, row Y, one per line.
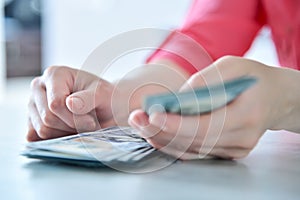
column 288, row 98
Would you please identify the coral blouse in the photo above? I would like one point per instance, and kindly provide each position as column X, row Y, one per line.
column 214, row 28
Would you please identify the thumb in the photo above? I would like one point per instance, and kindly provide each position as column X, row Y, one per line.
column 81, row 102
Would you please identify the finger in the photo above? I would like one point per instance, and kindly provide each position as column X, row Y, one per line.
column 82, row 122
column 56, row 98
column 182, row 132
column 139, row 119
column 95, row 95
column 154, row 135
column 42, row 131
column 82, row 102
column 182, row 137
column 159, row 138
column 31, row 133
column 170, row 123
column 173, row 123
column 181, row 144
column 47, row 117
column 173, row 145
column 57, row 91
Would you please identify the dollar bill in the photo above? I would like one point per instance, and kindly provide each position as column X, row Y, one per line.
column 111, row 146
column 199, row 100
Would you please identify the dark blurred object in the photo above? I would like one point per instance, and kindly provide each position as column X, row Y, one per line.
column 23, row 37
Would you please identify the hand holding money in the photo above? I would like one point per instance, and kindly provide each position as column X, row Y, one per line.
column 228, row 132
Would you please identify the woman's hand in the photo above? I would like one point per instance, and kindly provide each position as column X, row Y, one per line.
column 65, row 101
column 232, row 131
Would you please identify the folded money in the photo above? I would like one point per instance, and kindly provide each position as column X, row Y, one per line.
column 199, row 100
column 112, row 146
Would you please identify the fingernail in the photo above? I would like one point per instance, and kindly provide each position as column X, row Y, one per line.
column 157, row 119
column 141, row 121
column 138, row 122
column 77, row 103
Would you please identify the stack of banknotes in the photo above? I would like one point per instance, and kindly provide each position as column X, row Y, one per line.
column 114, row 146
column 123, row 145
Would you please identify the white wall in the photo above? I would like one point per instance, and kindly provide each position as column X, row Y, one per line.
column 72, row 29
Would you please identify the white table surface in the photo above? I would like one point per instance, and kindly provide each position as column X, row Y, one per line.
column 271, row 171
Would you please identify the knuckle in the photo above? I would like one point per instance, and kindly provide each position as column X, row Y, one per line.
column 36, row 82
column 48, row 118
column 50, row 70
column 44, row 132
column 56, row 104
column 54, row 70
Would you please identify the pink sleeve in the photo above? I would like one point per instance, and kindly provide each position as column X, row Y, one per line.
column 213, row 28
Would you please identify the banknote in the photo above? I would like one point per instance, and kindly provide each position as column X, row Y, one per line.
column 111, row 146
column 199, row 100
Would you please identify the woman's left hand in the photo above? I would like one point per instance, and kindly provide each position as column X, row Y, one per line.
column 230, row 132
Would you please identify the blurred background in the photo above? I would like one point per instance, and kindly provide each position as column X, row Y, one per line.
column 35, row 34
column 22, row 31
column 39, row 33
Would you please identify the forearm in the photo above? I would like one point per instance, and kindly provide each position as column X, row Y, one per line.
column 288, row 98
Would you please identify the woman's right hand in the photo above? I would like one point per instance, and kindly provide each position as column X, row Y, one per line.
column 66, row 101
